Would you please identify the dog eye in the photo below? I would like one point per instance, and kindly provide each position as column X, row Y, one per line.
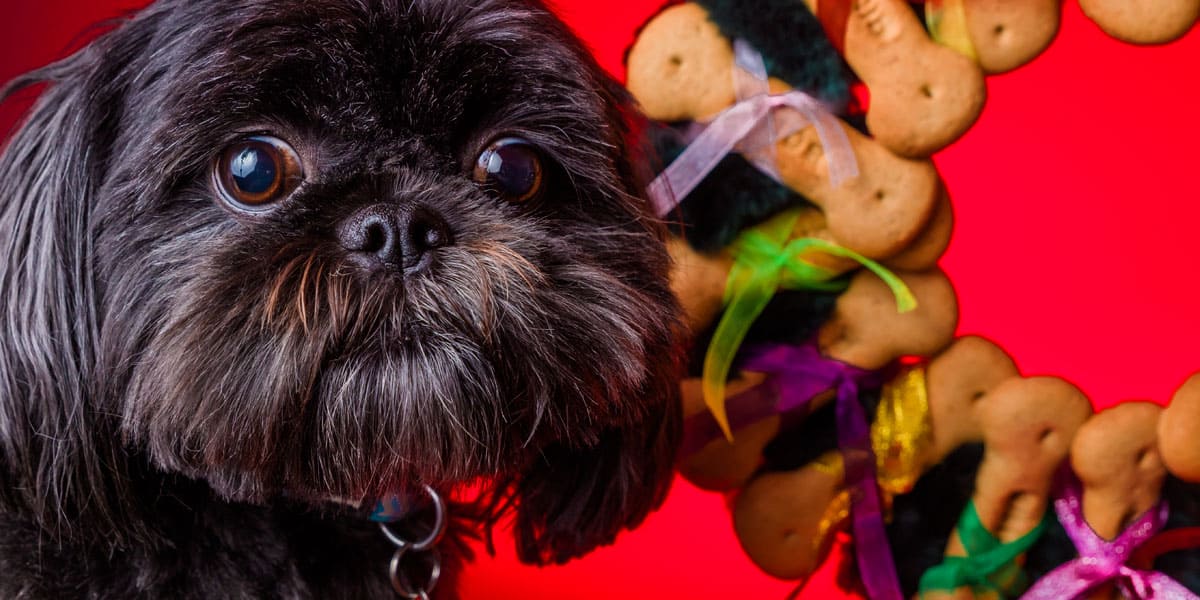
column 512, row 168
column 258, row 171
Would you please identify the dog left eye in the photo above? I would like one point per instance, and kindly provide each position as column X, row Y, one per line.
column 258, row 171
column 512, row 167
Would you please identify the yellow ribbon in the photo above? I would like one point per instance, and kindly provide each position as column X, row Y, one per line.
column 902, row 431
column 947, row 23
column 837, row 513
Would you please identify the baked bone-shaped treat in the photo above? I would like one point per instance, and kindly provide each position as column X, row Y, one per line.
column 1115, row 455
column 866, row 331
column 923, row 95
column 1001, row 34
column 681, row 69
column 1179, row 432
column 1009, row 33
column 1028, row 428
column 782, row 518
column 1143, row 21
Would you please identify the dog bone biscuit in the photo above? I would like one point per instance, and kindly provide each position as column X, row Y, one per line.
column 721, row 465
column 1000, row 35
column 958, row 380
column 681, row 67
column 866, row 330
column 923, row 95
column 878, row 213
column 925, row 251
column 1143, row 21
column 1115, row 454
column 778, row 517
column 1028, row 427
column 1177, row 432
column 1009, row 33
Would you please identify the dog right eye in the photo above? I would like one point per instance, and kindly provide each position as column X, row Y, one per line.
column 512, row 168
column 258, row 171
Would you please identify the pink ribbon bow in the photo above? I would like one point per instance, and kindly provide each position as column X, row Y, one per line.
column 748, row 127
column 1102, row 562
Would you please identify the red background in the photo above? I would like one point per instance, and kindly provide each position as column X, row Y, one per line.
column 1075, row 249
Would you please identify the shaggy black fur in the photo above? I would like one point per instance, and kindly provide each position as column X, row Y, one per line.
column 792, row 42
column 1183, row 565
column 734, row 196
column 185, row 389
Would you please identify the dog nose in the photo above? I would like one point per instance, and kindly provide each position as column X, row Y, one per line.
column 395, row 236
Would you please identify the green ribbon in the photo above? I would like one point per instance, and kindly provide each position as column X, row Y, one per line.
column 989, row 566
column 765, row 262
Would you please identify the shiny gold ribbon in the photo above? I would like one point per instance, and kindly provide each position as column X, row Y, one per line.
column 901, row 433
column 837, row 512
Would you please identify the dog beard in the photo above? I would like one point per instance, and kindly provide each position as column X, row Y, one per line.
column 154, row 322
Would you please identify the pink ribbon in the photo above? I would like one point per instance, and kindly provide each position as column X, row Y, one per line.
column 749, row 128
column 1102, row 562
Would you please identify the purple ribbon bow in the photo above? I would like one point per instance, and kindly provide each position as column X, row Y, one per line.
column 796, row 375
column 1102, row 562
column 748, row 127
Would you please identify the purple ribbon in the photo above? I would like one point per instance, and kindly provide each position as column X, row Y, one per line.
column 749, row 127
column 1103, row 562
column 796, row 375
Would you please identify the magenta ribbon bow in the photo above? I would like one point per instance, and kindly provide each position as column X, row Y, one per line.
column 748, row 127
column 1103, row 562
column 796, row 375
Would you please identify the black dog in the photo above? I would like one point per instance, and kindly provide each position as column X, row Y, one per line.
column 265, row 263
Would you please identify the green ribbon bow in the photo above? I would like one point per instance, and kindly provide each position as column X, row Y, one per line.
column 765, row 262
column 988, row 565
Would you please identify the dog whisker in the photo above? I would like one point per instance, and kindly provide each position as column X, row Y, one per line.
column 376, row 319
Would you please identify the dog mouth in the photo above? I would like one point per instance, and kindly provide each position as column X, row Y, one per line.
column 309, row 376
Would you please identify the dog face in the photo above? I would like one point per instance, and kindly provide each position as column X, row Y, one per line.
column 336, row 249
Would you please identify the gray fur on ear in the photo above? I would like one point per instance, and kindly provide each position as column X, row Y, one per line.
column 50, row 449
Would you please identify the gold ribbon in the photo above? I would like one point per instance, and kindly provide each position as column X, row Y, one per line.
column 902, row 431
column 947, row 23
column 837, row 513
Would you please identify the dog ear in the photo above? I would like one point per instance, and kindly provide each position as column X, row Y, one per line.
column 60, row 457
column 574, row 500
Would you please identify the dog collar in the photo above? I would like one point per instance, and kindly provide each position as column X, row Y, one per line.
column 413, row 556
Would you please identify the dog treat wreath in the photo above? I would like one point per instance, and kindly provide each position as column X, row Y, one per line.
column 829, row 398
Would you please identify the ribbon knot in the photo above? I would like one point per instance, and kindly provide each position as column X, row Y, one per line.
column 989, row 565
column 1101, row 568
column 1103, row 562
column 749, row 128
column 796, row 375
column 764, row 262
